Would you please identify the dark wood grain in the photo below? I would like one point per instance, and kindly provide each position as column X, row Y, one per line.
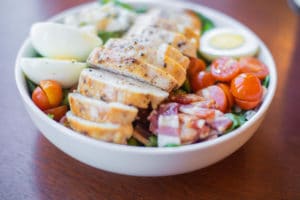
column 267, row 167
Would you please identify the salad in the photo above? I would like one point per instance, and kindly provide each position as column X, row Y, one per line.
column 145, row 77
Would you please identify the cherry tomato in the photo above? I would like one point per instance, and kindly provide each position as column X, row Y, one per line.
column 246, row 87
column 57, row 112
column 53, row 91
column 201, row 80
column 253, row 66
column 247, row 105
column 40, row 98
column 217, row 94
column 225, row 69
column 196, row 65
column 229, row 96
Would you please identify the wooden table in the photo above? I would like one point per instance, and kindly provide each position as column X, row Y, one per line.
column 267, row 167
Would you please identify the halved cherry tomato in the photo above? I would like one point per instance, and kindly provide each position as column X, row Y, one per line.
column 57, row 112
column 229, row 96
column 247, row 105
column 254, row 66
column 196, row 65
column 201, row 80
column 40, row 98
column 217, row 94
column 246, row 87
column 225, row 69
column 53, row 90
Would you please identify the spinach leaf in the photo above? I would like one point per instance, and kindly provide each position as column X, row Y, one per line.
column 152, row 141
column 104, row 35
column 65, row 100
column 133, row 142
column 172, row 145
column 186, row 86
column 31, row 85
column 179, row 91
column 207, row 24
column 118, row 3
column 125, row 5
column 266, row 81
column 141, row 10
column 51, row 116
column 237, row 119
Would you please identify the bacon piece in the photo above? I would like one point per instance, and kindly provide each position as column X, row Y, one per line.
column 202, row 113
column 188, row 123
column 168, row 124
column 168, row 121
column 192, row 128
column 207, row 103
column 188, row 131
column 204, row 132
column 163, row 120
column 185, row 98
column 168, row 109
column 220, row 124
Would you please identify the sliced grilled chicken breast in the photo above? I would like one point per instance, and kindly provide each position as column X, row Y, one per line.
column 100, row 111
column 159, row 35
column 149, row 47
column 160, row 55
column 110, row 87
column 185, row 22
column 125, row 63
column 109, row 132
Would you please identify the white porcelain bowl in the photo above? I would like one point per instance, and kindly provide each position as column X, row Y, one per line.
column 141, row 161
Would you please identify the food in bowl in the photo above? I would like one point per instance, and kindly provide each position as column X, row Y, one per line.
column 151, row 83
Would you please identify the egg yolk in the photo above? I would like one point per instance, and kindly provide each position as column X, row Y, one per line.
column 227, row 41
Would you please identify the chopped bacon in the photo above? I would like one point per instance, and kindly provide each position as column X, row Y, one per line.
column 188, row 132
column 185, row 98
column 168, row 130
column 188, row 123
column 168, row 124
column 165, row 121
column 168, row 109
column 168, row 121
column 207, row 103
column 192, row 129
column 203, row 132
column 188, row 135
column 221, row 124
column 202, row 113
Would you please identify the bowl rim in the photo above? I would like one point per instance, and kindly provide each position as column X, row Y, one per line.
column 22, row 88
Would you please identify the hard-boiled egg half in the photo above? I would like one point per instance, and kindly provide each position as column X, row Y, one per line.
column 228, row 42
column 65, row 50
column 61, row 41
column 66, row 72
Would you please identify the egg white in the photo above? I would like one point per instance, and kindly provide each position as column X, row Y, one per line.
column 66, row 72
column 248, row 47
column 61, row 41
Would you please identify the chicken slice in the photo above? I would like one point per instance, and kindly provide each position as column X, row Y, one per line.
column 111, row 87
column 136, row 60
column 101, row 111
column 109, row 132
column 185, row 22
column 158, row 35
